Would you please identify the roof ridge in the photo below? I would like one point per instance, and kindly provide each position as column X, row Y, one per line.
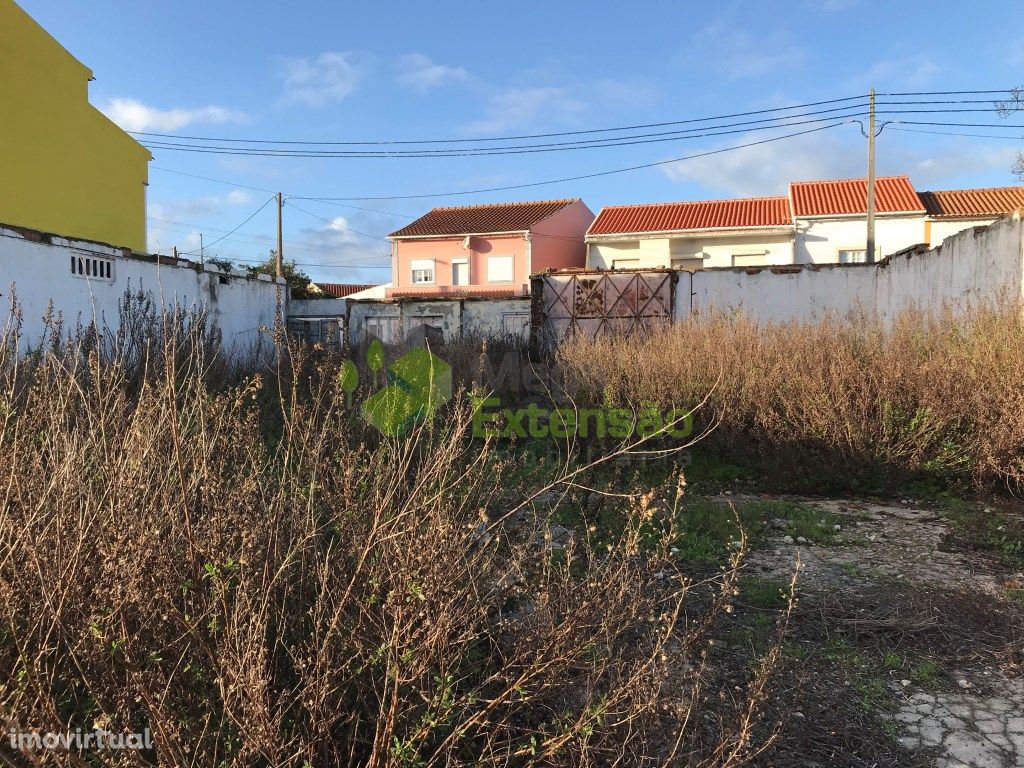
column 970, row 189
column 853, row 178
column 504, row 205
column 691, row 202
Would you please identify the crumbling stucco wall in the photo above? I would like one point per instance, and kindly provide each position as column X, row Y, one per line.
column 85, row 281
column 979, row 265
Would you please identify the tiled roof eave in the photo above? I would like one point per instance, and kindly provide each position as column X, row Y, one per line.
column 861, row 215
column 395, row 238
column 770, row 229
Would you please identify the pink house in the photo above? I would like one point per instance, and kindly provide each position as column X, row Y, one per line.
column 491, row 250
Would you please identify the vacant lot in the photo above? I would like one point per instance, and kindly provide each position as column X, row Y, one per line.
column 233, row 560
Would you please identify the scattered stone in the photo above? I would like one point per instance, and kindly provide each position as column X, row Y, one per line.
column 904, row 683
column 788, row 539
column 801, row 540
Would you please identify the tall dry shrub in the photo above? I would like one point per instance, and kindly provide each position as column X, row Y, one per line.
column 934, row 393
column 255, row 578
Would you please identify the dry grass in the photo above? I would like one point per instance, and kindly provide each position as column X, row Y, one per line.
column 936, row 395
column 246, row 571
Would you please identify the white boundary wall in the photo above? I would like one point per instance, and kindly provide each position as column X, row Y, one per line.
column 977, row 265
column 38, row 269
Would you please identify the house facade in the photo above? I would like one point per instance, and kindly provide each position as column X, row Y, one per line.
column 692, row 235
column 466, row 270
column 818, row 222
column 67, row 168
column 494, row 248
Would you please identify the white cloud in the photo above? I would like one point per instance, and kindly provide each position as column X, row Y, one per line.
column 421, row 74
column 519, row 106
column 767, row 169
column 907, row 71
column 359, row 255
column 738, row 54
column 133, row 115
column 198, row 207
column 329, row 77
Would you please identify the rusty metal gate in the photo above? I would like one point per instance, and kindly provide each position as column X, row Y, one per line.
column 595, row 302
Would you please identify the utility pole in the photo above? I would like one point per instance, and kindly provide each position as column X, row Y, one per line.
column 870, row 252
column 280, row 240
column 202, row 254
column 174, row 252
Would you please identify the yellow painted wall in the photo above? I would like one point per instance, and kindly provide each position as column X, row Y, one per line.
column 64, row 167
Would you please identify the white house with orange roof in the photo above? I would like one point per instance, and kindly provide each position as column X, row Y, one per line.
column 830, row 219
column 692, row 235
column 818, row 222
column 953, row 210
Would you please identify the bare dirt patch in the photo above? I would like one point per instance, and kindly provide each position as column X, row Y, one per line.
column 907, row 645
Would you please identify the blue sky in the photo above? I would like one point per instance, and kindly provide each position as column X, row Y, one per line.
column 353, row 71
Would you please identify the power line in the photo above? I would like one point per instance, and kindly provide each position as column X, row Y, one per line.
column 490, row 151
column 270, row 191
column 511, row 138
column 955, row 133
column 253, row 216
column 336, row 225
column 580, row 177
column 258, row 239
column 944, row 93
column 264, row 240
column 961, row 125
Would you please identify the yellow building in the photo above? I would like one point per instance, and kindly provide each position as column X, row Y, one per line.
column 64, row 167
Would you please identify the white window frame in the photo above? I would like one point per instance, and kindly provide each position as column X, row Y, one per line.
column 511, row 268
column 422, row 265
column 469, row 274
column 855, row 249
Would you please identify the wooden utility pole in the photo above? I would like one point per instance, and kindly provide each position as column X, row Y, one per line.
column 202, row 255
column 280, row 239
column 870, row 252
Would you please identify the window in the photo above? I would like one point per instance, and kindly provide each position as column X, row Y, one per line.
column 851, row 256
column 382, row 328
column 91, row 266
column 625, row 263
column 499, row 269
column 749, row 258
column 422, row 271
column 460, row 271
column 325, row 331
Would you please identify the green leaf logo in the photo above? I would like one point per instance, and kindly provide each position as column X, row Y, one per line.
column 420, row 383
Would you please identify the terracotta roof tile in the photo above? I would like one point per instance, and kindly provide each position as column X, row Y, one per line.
column 954, row 203
column 695, row 215
column 445, row 293
column 341, row 290
column 837, row 197
column 471, row 219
